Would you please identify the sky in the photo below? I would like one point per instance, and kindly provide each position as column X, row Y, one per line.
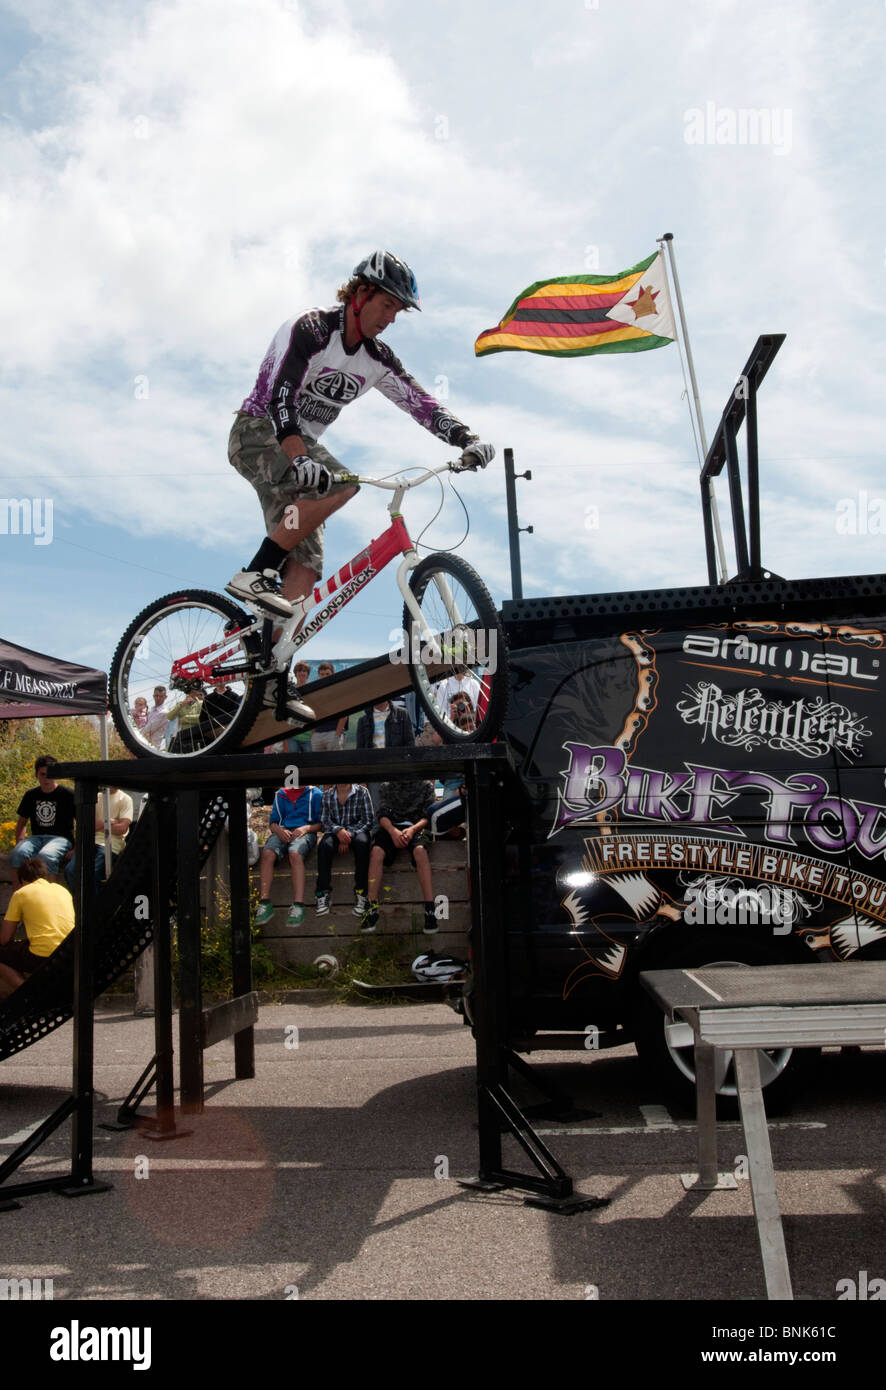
column 182, row 176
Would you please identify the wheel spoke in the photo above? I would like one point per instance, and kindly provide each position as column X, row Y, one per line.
column 176, row 629
column 722, row 1066
column 678, row 1034
column 462, row 638
column 772, row 1064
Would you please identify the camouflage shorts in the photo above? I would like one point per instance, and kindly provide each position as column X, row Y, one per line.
column 256, row 455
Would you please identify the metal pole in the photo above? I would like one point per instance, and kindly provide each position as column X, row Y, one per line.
column 163, row 846
column 668, row 240
column 190, row 1017
column 513, row 527
column 84, row 1021
column 241, row 938
column 103, row 742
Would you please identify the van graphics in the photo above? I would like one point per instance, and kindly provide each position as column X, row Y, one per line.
column 814, row 652
column 746, row 719
column 598, row 783
column 631, row 880
column 695, row 858
column 727, row 777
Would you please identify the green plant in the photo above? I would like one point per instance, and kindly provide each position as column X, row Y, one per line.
column 216, row 965
column 375, row 962
column 71, row 740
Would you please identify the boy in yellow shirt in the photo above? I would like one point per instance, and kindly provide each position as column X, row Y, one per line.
column 47, row 911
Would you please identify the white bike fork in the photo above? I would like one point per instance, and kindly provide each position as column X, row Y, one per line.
column 429, row 641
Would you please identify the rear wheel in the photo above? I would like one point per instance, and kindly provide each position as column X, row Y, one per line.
column 667, row 1049
column 466, row 697
column 194, row 644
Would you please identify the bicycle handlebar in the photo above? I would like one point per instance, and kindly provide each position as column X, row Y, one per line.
column 398, row 483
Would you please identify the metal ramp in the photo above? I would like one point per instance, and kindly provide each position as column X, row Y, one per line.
column 347, row 692
column 46, row 1000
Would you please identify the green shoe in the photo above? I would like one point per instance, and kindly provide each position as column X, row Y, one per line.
column 264, row 914
column 295, row 915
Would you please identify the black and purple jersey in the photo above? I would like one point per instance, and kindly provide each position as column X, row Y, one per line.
column 308, row 374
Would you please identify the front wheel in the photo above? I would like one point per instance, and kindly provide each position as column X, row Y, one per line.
column 198, row 646
column 459, row 661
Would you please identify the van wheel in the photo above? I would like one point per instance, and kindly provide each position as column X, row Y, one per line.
column 666, row 1049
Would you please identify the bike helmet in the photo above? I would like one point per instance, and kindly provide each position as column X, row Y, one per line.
column 445, row 970
column 392, row 275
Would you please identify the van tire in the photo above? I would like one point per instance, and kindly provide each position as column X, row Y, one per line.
column 670, row 1064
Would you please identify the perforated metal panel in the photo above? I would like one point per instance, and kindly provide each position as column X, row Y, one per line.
column 536, row 620
column 45, row 1000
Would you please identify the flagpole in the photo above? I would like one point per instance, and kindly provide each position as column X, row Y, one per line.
column 668, row 239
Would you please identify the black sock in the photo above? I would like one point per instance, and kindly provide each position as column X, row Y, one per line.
column 269, row 556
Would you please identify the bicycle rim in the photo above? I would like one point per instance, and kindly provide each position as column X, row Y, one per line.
column 461, row 678
column 178, row 627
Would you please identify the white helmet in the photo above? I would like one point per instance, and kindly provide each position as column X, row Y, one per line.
column 430, row 968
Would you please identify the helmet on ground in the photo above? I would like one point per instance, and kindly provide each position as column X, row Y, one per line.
column 392, row 275
column 431, row 968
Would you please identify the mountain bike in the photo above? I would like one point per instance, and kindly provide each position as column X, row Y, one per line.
column 218, row 662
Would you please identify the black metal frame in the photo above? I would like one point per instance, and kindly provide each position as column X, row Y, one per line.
column 741, row 406
column 514, row 527
column 493, row 791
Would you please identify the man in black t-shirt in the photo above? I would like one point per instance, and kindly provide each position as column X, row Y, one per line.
column 50, row 810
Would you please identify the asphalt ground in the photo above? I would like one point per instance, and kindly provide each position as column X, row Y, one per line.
column 333, row 1176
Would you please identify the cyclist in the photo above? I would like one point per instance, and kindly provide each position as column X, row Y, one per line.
column 315, row 365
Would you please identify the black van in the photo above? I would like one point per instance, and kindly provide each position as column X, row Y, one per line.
column 706, row 774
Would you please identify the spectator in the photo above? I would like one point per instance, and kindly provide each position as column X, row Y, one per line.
column 121, row 820
column 328, row 734
column 446, row 817
column 303, row 740
column 461, row 683
column 296, row 815
column 188, row 712
column 47, row 911
column 140, row 712
column 414, row 710
column 50, row 810
column 346, row 817
column 402, row 824
column 383, row 726
column 156, row 723
column 219, row 708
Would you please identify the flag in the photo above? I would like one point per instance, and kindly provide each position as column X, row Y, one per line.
column 580, row 314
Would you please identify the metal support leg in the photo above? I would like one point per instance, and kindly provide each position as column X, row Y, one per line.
column 762, row 1175
column 82, row 1180
column 707, row 1179
column 188, row 915
column 241, row 944
column 551, row 1187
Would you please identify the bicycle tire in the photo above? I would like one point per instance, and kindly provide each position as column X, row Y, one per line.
column 478, row 642
column 167, row 630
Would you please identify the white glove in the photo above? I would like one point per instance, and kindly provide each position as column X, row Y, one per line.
column 476, row 455
column 308, row 474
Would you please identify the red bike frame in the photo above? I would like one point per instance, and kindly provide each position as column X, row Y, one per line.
column 203, row 665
